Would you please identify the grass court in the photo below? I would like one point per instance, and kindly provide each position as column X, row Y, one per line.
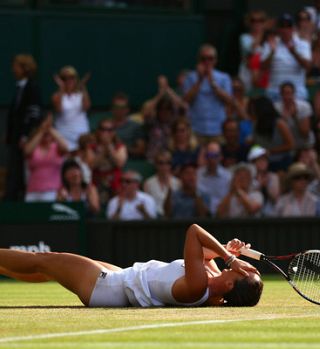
column 47, row 316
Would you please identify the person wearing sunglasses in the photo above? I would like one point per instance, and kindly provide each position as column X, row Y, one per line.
column 288, row 58
column 71, row 103
column 298, row 201
column 250, row 44
column 213, row 178
column 131, row 203
column 111, row 155
column 208, row 91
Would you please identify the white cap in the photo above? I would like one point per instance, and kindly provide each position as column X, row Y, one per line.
column 255, row 152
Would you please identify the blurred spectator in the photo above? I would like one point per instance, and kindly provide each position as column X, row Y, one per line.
column 24, row 115
column 110, row 157
column 181, row 77
column 298, row 201
column 288, row 58
column 314, row 72
column 271, row 133
column 188, row 201
column 159, row 127
column 241, row 200
column 74, row 189
column 131, row 203
column 213, row 178
column 165, row 92
column 232, row 151
column 207, row 90
column 251, row 45
column 159, row 114
column 158, row 185
column 238, row 110
column 309, row 157
column 71, row 103
column 85, row 155
column 130, row 132
column 297, row 114
column 264, row 181
column 183, row 145
column 44, row 152
column 304, row 26
column 315, row 13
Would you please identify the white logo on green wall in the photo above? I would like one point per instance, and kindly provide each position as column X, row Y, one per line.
column 63, row 213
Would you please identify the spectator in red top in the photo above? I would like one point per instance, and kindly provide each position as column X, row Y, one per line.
column 111, row 156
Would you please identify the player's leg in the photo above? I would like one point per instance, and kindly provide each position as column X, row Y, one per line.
column 76, row 273
column 32, row 277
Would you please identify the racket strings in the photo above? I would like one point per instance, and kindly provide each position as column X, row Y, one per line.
column 304, row 272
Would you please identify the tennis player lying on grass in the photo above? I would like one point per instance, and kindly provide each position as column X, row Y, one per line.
column 194, row 281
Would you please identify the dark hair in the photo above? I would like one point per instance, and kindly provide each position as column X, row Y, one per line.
column 67, row 165
column 245, row 293
column 266, row 115
column 287, row 84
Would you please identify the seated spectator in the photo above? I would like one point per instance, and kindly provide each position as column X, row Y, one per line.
column 213, row 178
column 110, row 157
column 238, row 110
column 183, row 145
column 44, row 152
column 309, row 157
column 232, row 151
column 265, row 181
column 241, row 200
column 297, row 114
column 130, row 132
column 187, row 201
column 271, row 133
column 158, row 128
column 131, row 203
column 85, row 155
column 158, row 185
column 71, row 103
column 74, row 189
column 298, row 201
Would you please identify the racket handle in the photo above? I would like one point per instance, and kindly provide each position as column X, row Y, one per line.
column 248, row 252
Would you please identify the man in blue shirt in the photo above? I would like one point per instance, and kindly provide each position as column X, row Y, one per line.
column 207, row 90
column 213, row 178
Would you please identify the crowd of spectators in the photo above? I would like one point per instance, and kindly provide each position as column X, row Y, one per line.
column 219, row 146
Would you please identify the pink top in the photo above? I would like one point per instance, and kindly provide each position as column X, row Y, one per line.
column 44, row 169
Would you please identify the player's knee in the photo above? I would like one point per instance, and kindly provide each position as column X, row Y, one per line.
column 44, row 259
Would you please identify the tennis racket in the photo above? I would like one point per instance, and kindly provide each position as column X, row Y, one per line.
column 303, row 271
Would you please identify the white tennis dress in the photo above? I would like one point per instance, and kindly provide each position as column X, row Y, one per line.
column 142, row 285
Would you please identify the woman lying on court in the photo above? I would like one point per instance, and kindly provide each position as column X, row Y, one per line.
column 194, row 281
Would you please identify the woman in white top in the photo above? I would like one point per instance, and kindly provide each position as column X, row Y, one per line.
column 159, row 184
column 71, row 103
column 194, row 281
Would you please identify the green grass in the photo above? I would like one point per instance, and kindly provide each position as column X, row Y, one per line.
column 281, row 320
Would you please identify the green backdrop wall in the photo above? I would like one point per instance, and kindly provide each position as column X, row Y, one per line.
column 123, row 52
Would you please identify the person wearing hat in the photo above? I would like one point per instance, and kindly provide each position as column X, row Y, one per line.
column 131, row 203
column 71, row 103
column 288, row 57
column 298, row 201
column 264, row 180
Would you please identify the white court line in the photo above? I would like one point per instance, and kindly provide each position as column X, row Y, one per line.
column 137, row 328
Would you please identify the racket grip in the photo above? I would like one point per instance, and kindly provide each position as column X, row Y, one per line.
column 248, row 252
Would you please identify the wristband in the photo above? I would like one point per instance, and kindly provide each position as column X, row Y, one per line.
column 229, row 261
